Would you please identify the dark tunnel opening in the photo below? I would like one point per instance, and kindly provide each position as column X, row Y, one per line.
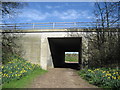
column 58, row 47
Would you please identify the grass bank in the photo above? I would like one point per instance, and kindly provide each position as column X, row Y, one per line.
column 24, row 81
column 102, row 77
column 19, row 72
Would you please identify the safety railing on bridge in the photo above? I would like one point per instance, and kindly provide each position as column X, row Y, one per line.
column 56, row 25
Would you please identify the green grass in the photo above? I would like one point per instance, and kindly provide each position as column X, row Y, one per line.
column 71, row 57
column 24, row 81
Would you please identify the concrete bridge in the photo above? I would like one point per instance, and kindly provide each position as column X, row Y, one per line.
column 47, row 46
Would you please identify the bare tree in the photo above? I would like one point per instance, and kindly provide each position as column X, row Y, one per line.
column 10, row 40
column 106, row 50
column 11, row 8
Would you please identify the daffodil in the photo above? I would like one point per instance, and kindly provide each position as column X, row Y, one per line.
column 113, row 77
column 118, row 77
column 2, row 67
column 108, row 77
column 89, row 70
column 108, row 74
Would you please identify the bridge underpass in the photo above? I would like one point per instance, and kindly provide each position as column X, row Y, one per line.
column 60, row 45
column 46, row 43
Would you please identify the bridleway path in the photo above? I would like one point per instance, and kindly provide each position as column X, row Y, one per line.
column 60, row 78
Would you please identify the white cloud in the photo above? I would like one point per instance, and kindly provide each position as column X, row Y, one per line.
column 92, row 4
column 33, row 14
column 70, row 14
column 1, row 22
column 89, row 17
column 52, row 7
column 48, row 7
column 57, row 7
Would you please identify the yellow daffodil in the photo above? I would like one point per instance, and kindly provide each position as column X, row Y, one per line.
column 113, row 77
column 108, row 77
column 89, row 70
column 118, row 77
column 2, row 67
column 108, row 74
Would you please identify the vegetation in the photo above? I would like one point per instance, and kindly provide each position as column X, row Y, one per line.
column 11, row 46
column 17, row 69
column 10, row 41
column 71, row 57
column 102, row 77
column 24, row 81
column 104, row 50
column 11, row 8
column 104, row 45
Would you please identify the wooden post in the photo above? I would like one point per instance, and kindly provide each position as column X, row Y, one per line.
column 75, row 24
column 33, row 26
column 15, row 27
column 53, row 25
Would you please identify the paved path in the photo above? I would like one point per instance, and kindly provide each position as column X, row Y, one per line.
column 60, row 78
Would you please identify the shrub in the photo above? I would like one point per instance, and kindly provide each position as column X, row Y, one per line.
column 11, row 44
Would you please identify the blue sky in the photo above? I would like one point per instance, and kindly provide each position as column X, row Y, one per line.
column 54, row 12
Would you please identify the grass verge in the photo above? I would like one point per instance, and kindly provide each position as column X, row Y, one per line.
column 24, row 81
column 102, row 77
column 71, row 57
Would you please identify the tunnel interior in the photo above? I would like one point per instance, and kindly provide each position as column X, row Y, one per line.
column 58, row 47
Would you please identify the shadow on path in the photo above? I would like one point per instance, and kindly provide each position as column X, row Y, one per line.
column 75, row 66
